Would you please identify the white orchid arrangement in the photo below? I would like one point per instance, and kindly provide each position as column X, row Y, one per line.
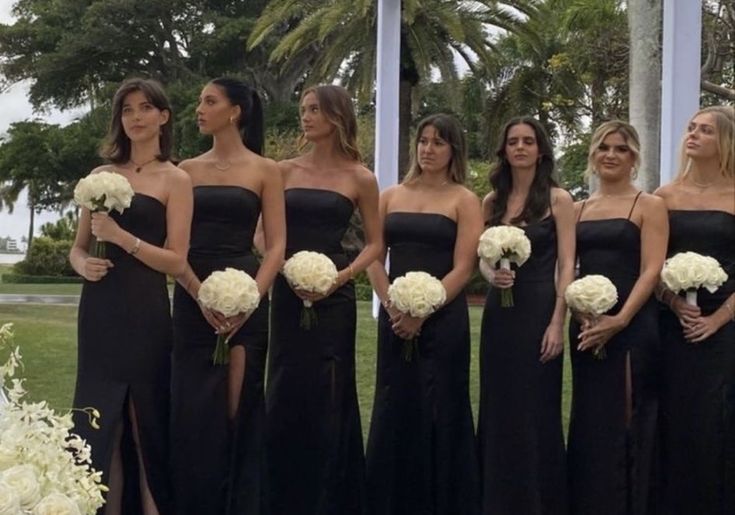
column 45, row 469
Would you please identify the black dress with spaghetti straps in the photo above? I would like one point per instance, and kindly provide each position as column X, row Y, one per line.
column 612, row 432
column 698, row 401
column 520, row 437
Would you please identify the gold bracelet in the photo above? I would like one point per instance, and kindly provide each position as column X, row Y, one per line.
column 352, row 271
column 136, row 247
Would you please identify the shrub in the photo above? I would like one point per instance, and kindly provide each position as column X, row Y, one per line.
column 39, row 279
column 46, row 257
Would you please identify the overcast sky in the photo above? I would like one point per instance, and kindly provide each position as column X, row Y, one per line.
column 14, row 107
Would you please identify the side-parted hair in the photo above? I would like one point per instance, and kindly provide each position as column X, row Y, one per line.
column 629, row 134
column 450, row 130
column 336, row 104
column 250, row 122
column 501, row 178
column 116, row 146
column 725, row 125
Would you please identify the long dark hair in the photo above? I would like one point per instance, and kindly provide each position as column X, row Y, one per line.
column 450, row 131
column 501, row 178
column 116, row 147
column 250, row 122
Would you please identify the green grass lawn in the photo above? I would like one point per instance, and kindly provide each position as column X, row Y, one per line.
column 47, row 337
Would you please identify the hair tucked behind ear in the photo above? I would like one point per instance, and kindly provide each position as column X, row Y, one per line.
column 250, row 122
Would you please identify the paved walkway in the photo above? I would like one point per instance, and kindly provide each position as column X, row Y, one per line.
column 22, row 298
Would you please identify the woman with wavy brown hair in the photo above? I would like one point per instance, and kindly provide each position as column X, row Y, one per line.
column 314, row 437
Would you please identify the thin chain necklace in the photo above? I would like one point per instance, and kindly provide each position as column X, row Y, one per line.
column 222, row 165
column 139, row 167
column 699, row 184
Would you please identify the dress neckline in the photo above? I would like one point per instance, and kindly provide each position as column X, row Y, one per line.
column 422, row 213
column 616, row 219
column 236, row 186
column 341, row 195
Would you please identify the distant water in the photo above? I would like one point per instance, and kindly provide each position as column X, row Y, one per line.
column 9, row 259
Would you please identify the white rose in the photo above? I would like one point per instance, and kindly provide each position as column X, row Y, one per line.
column 592, row 294
column 691, row 271
column 56, row 504
column 310, row 271
column 9, row 501
column 23, row 479
column 504, row 241
column 229, row 292
column 417, row 293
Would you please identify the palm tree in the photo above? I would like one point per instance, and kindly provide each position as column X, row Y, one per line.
column 433, row 34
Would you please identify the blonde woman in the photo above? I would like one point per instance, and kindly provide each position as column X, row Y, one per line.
column 314, row 438
column 698, row 416
column 621, row 234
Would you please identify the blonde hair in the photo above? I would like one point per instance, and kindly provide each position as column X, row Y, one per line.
column 629, row 134
column 725, row 125
column 336, row 104
column 448, row 129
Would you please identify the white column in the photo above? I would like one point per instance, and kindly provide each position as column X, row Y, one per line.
column 386, row 113
column 680, row 76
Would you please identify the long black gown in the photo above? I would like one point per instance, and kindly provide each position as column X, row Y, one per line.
column 421, row 455
column 314, row 441
column 521, row 442
column 218, row 462
column 610, row 460
column 124, row 354
column 698, row 415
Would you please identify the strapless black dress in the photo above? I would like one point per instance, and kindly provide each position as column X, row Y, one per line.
column 124, row 353
column 521, row 442
column 421, row 455
column 217, row 462
column 611, row 462
column 698, row 415
column 314, row 440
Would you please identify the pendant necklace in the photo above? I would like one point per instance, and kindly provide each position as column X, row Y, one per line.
column 139, row 167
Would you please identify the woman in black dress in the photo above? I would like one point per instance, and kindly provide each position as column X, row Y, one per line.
column 314, row 439
column 698, row 399
column 621, row 234
column 218, row 411
column 124, row 350
column 521, row 443
column 421, row 455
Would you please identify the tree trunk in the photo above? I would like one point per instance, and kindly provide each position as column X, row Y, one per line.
column 32, row 209
column 644, row 111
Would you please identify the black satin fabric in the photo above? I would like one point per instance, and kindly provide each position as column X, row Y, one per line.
column 218, row 463
column 698, row 415
column 612, row 460
column 124, row 353
column 521, row 443
column 314, row 441
column 421, row 455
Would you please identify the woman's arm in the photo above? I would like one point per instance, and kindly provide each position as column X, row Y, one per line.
column 563, row 212
column 91, row 268
column 273, row 228
column 376, row 270
column 469, row 228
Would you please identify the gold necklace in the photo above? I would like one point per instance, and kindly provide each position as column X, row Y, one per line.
column 139, row 167
column 222, row 165
column 699, row 184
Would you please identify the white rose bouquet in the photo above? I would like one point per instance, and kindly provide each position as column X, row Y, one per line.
column 44, row 468
column 312, row 272
column 689, row 271
column 505, row 244
column 592, row 295
column 417, row 294
column 229, row 292
column 103, row 191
